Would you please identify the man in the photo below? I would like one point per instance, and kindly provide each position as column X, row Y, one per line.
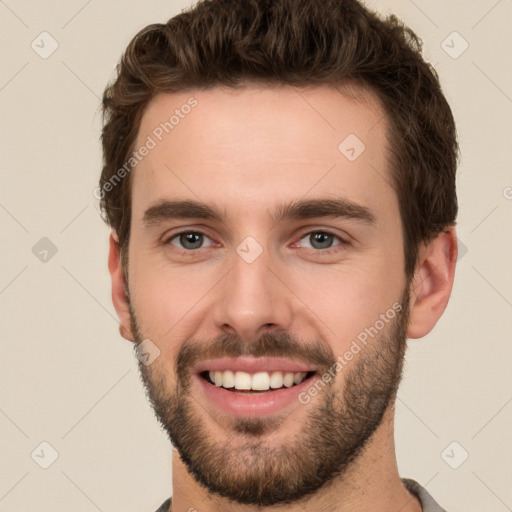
column 280, row 182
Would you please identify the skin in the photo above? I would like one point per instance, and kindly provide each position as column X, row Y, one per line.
column 247, row 151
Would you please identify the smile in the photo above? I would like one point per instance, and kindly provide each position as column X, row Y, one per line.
column 260, row 381
column 247, row 386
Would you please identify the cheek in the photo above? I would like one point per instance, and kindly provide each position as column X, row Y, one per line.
column 349, row 300
column 166, row 298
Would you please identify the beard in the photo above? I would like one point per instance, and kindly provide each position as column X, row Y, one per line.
column 254, row 471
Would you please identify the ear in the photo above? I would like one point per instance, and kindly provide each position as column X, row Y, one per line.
column 119, row 288
column 432, row 283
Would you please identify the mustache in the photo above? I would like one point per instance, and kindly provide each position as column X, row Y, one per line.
column 276, row 344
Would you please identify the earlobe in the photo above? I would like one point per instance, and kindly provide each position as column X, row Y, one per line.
column 432, row 283
column 119, row 288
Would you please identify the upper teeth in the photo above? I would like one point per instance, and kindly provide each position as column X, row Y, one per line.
column 260, row 381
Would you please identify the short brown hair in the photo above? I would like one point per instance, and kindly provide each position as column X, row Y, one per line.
column 298, row 43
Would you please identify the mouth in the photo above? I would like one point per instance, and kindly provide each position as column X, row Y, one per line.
column 256, row 383
column 253, row 387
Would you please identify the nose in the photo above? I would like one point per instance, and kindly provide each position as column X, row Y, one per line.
column 253, row 299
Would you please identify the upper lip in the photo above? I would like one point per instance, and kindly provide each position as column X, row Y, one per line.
column 252, row 365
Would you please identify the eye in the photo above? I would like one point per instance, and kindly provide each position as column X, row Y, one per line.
column 322, row 240
column 188, row 240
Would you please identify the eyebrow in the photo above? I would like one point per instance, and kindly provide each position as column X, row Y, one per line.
column 296, row 210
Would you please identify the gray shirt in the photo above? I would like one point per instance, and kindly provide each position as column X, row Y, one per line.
column 427, row 502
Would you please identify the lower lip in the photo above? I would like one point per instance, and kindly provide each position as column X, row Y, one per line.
column 261, row 404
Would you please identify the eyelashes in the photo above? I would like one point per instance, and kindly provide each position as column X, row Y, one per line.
column 183, row 235
column 191, row 241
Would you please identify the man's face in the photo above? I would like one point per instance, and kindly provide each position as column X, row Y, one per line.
column 301, row 287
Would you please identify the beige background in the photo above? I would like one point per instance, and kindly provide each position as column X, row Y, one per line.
column 66, row 376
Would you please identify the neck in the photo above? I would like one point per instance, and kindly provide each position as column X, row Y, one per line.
column 372, row 482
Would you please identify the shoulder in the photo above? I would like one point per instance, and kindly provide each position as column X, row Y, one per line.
column 164, row 507
column 427, row 502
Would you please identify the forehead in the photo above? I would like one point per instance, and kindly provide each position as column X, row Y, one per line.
column 257, row 145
